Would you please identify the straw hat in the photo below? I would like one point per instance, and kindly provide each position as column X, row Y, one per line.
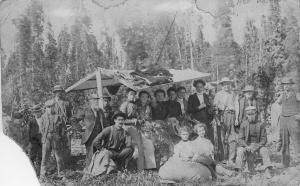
column 249, row 88
column 225, row 80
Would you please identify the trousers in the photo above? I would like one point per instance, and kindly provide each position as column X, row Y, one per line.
column 35, row 155
column 227, row 131
column 121, row 158
column 244, row 156
column 52, row 143
column 289, row 129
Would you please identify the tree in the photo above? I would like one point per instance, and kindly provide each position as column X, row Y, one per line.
column 51, row 57
column 226, row 51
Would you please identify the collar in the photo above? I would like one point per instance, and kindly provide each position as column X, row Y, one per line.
column 199, row 93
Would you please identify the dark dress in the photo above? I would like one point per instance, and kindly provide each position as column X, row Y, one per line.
column 159, row 111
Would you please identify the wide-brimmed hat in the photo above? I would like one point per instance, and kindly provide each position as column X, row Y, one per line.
column 250, row 108
column 118, row 114
column 49, row 103
column 225, row 80
column 36, row 108
column 287, row 81
column 249, row 88
column 58, row 88
column 94, row 96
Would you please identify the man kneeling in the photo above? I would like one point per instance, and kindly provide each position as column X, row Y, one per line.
column 252, row 140
column 113, row 149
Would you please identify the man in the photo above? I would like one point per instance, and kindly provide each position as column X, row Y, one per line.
column 53, row 132
column 62, row 109
column 252, row 140
column 248, row 99
column 159, row 109
column 116, row 142
column 227, row 104
column 289, row 122
column 199, row 107
column 93, row 122
column 107, row 109
column 181, row 92
column 35, row 145
column 173, row 107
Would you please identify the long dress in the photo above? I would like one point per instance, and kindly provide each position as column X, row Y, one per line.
column 180, row 167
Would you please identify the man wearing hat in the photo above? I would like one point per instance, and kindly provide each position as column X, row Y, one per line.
column 248, row 99
column 53, row 132
column 252, row 140
column 289, row 122
column 107, row 109
column 227, row 104
column 34, row 148
column 93, row 120
column 113, row 143
column 62, row 109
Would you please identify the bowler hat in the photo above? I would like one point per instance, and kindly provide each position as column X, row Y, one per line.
column 287, row 81
column 58, row 88
column 118, row 114
column 249, row 88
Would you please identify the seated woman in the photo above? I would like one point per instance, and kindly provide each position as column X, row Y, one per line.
column 181, row 165
column 204, row 152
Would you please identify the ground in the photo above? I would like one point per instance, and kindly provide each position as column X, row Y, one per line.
column 287, row 177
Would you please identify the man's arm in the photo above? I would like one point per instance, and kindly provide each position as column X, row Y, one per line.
column 97, row 142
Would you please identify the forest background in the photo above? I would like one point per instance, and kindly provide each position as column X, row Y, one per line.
column 36, row 55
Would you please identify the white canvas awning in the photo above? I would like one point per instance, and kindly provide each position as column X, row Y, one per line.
column 109, row 78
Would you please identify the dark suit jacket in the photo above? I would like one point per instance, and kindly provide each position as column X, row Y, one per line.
column 47, row 121
column 185, row 103
column 244, row 134
column 173, row 109
column 34, row 132
column 94, row 125
column 203, row 115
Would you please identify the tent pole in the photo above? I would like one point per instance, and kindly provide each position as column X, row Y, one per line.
column 99, row 87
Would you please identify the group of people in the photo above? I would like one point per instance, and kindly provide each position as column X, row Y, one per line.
column 228, row 126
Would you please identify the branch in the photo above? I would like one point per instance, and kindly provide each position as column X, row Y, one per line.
column 204, row 11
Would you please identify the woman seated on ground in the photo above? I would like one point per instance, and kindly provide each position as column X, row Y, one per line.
column 182, row 165
column 204, row 150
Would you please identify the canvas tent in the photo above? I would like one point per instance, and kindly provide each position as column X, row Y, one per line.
column 105, row 78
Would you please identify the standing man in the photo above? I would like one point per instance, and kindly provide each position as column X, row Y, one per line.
column 252, row 139
column 181, row 92
column 289, row 122
column 199, row 107
column 173, row 107
column 227, row 104
column 108, row 111
column 62, row 109
column 53, row 132
column 35, row 143
column 93, row 122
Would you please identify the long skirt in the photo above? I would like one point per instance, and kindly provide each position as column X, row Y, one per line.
column 177, row 170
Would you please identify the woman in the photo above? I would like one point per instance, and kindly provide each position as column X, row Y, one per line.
column 181, row 165
column 144, row 113
column 143, row 107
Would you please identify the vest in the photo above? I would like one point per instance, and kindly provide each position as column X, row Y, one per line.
column 290, row 106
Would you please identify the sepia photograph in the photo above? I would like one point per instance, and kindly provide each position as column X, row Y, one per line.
column 150, row 92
